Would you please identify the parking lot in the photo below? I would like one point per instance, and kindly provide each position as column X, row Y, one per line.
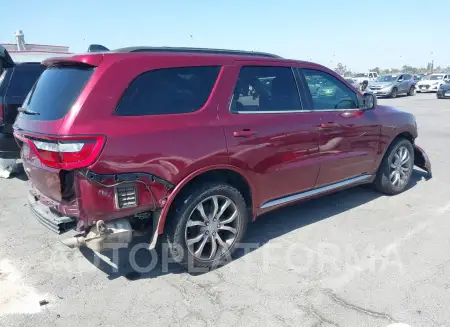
column 354, row 258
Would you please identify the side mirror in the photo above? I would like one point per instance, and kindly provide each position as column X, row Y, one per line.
column 369, row 101
column 400, row 80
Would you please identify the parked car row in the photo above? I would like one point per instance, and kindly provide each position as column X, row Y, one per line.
column 194, row 144
column 431, row 83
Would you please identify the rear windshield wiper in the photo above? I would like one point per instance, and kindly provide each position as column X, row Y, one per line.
column 27, row 111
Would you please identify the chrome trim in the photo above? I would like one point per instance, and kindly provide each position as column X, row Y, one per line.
column 268, row 112
column 312, row 192
column 294, row 111
column 326, row 110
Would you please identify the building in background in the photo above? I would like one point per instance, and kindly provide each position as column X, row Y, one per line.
column 28, row 52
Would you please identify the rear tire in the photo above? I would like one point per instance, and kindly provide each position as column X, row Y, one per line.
column 201, row 233
column 395, row 170
column 412, row 91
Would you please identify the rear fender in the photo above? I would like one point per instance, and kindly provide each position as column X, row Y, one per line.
column 161, row 216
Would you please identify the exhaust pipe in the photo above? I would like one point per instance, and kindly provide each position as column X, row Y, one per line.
column 75, row 242
column 104, row 236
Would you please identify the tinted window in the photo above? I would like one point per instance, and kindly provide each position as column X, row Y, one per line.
column 328, row 92
column 169, row 91
column 406, row 77
column 22, row 80
column 265, row 89
column 56, row 91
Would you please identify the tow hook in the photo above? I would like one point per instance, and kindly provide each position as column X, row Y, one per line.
column 104, row 236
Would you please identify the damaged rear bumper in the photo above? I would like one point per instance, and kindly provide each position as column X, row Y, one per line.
column 422, row 160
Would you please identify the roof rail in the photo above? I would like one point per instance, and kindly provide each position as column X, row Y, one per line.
column 197, row 50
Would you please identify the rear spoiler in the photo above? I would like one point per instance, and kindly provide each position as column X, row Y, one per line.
column 97, row 48
column 94, row 58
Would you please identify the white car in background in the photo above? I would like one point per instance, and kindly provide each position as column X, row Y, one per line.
column 431, row 83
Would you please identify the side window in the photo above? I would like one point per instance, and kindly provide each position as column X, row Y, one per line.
column 370, row 75
column 168, row 91
column 23, row 80
column 406, row 77
column 261, row 88
column 328, row 92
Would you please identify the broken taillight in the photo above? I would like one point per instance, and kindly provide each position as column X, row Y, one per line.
column 65, row 152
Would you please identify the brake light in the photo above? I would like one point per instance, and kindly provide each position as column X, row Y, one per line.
column 1, row 114
column 66, row 152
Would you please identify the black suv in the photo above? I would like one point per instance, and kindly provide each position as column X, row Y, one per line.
column 15, row 83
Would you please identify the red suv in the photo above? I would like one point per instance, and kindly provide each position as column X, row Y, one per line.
column 195, row 143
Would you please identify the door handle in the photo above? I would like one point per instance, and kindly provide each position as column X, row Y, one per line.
column 244, row 133
column 329, row 125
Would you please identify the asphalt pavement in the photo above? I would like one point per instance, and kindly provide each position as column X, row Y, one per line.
column 354, row 258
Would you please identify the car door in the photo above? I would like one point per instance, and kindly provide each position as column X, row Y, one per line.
column 405, row 84
column 349, row 136
column 266, row 134
column 400, row 84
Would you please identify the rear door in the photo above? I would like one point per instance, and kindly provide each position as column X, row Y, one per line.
column 47, row 104
column 403, row 83
column 267, row 135
column 348, row 136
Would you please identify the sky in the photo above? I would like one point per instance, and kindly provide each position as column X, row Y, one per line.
column 361, row 34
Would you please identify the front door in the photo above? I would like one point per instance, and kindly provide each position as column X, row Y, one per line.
column 348, row 136
column 266, row 133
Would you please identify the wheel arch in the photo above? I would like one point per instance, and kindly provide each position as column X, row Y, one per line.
column 225, row 173
column 405, row 135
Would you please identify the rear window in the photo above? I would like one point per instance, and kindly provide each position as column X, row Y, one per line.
column 168, row 91
column 56, row 91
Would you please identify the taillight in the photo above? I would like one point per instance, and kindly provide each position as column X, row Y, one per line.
column 66, row 152
column 1, row 115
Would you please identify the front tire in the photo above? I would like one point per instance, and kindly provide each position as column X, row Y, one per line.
column 395, row 170
column 394, row 93
column 207, row 225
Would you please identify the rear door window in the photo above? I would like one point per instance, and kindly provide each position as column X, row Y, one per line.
column 168, row 91
column 261, row 89
column 22, row 80
column 56, row 91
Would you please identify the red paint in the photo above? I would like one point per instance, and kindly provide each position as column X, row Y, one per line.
column 277, row 154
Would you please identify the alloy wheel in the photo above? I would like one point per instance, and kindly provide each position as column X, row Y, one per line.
column 212, row 227
column 400, row 167
column 394, row 93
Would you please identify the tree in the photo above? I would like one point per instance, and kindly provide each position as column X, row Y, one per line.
column 341, row 69
column 376, row 70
